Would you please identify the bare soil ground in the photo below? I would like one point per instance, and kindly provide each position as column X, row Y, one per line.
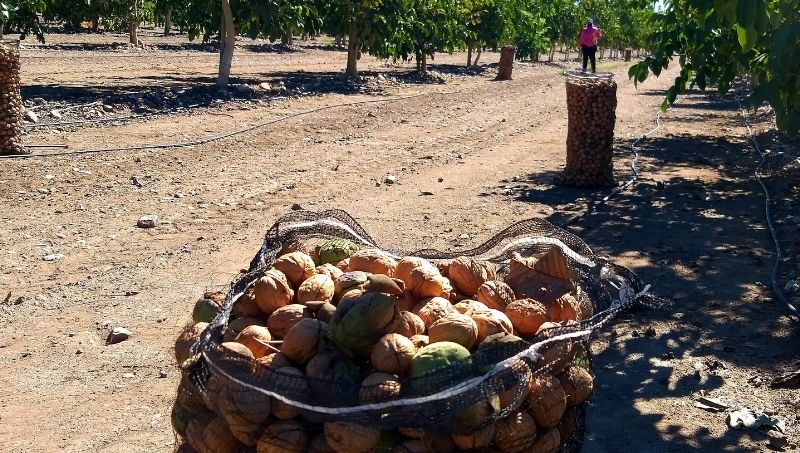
column 470, row 156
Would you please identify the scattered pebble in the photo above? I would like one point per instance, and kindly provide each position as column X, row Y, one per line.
column 54, row 257
column 147, row 221
column 390, row 179
column 31, row 116
column 791, row 286
column 118, row 335
column 777, row 439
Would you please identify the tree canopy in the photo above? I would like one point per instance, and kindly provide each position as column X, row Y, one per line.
column 716, row 41
column 401, row 29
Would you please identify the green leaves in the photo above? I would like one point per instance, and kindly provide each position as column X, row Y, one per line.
column 747, row 37
column 717, row 40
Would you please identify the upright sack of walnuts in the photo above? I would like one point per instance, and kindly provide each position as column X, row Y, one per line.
column 331, row 343
column 506, row 62
column 592, row 105
column 11, row 106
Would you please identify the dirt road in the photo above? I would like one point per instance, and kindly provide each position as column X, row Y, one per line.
column 470, row 157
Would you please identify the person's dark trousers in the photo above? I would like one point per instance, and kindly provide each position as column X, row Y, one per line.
column 588, row 54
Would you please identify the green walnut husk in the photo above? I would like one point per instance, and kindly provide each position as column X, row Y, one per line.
column 359, row 322
column 335, row 250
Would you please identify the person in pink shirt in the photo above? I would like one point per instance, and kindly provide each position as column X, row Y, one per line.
column 588, row 43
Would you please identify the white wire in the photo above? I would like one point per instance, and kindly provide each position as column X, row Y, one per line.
column 767, row 211
column 635, row 159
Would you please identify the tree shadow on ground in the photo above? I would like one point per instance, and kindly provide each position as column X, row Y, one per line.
column 277, row 48
column 165, row 94
column 123, row 47
column 461, row 70
column 211, row 47
column 168, row 92
column 696, row 232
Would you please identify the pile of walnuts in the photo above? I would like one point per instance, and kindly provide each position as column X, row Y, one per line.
column 11, row 108
column 591, row 106
column 362, row 317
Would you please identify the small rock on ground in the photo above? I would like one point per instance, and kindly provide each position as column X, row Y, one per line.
column 147, row 221
column 31, row 116
column 118, row 335
column 777, row 439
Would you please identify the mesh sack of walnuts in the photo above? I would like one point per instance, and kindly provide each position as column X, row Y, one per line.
column 591, row 107
column 331, row 342
column 11, row 107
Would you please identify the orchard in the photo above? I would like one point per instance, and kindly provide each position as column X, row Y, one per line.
column 399, row 226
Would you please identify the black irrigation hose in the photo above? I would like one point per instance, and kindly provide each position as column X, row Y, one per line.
column 214, row 138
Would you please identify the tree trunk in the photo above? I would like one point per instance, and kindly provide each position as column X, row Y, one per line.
column 552, row 51
column 133, row 32
column 566, row 55
column 477, row 56
column 227, row 41
column 423, row 68
column 288, row 36
column 469, row 55
column 96, row 24
column 168, row 22
column 133, row 24
column 2, row 29
column 352, row 54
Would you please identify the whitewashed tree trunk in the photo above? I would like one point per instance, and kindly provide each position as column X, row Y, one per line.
column 133, row 24
column 352, row 54
column 227, row 41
